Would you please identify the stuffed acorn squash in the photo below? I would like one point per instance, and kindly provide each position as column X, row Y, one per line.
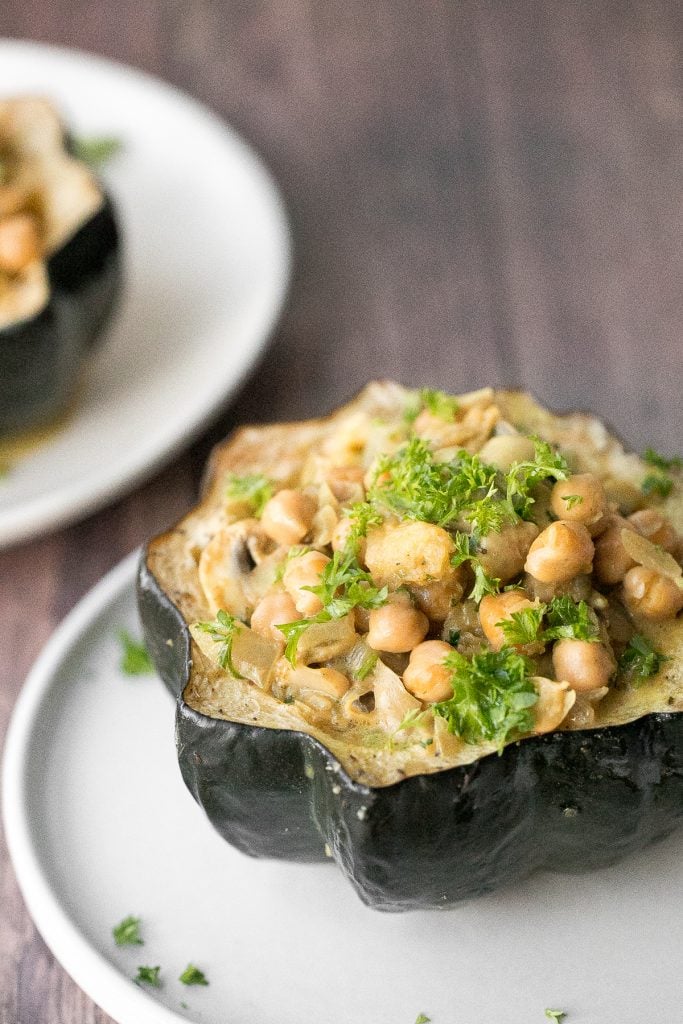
column 433, row 637
column 59, row 263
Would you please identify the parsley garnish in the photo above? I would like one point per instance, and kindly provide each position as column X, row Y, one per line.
column 96, row 151
column 343, row 586
column 640, row 660
column 523, row 477
column 522, row 627
column 127, row 932
column 422, row 1018
column 464, row 552
column 363, row 515
column 653, row 458
column 492, row 696
column 569, row 620
column 653, row 483
column 438, row 403
column 556, row 1015
column 148, row 976
column 223, row 630
column 135, row 659
column 571, row 500
column 367, row 666
column 193, row 976
column 253, row 488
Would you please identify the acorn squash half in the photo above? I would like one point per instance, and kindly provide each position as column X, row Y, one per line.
column 410, row 828
column 52, row 306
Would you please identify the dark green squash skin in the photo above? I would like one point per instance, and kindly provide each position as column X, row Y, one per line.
column 40, row 357
column 567, row 801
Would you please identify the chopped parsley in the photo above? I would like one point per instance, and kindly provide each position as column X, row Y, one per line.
column 654, row 483
column 571, row 500
column 127, row 932
column 653, row 458
column 493, row 695
column 412, row 484
column 640, row 660
column 193, row 976
column 556, row 1015
column 96, row 150
column 363, row 515
column 367, row 666
column 223, row 630
column 422, row 1018
column 343, row 586
column 253, row 488
column 465, row 546
column 522, row 627
column 439, row 403
column 570, row 620
column 148, row 976
column 523, row 477
column 135, row 659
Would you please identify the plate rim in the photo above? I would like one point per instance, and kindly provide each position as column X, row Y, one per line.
column 56, row 509
column 90, row 970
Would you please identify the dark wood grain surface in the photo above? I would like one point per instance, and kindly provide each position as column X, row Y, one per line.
column 479, row 192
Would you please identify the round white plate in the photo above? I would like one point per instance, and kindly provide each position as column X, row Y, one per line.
column 100, row 826
column 207, row 257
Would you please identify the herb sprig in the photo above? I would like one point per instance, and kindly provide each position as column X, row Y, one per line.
column 254, row 489
column 465, row 551
column 639, row 660
column 343, row 586
column 223, row 630
column 493, row 695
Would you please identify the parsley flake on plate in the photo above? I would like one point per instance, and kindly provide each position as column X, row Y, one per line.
column 135, row 659
column 556, row 1015
column 148, row 976
column 422, row 1018
column 96, row 150
column 127, row 932
column 193, row 976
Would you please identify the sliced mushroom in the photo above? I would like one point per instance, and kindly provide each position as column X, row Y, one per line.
column 237, row 567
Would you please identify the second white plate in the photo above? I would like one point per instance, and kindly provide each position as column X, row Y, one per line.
column 100, row 826
column 207, row 256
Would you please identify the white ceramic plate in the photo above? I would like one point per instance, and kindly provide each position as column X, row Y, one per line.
column 100, row 826
column 207, row 255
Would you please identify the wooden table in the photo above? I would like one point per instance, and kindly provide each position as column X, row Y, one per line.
column 480, row 192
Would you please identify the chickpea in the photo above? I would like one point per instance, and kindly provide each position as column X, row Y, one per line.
column 503, row 554
column 12, row 200
column 304, row 571
column 346, row 483
column 19, row 242
column 656, row 527
column 272, row 611
column 408, row 553
column 396, row 627
column 288, row 516
column 495, row 608
column 436, row 599
column 504, row 449
column 589, row 510
column 585, row 666
column 612, row 561
column 426, row 676
column 650, row 595
column 560, row 552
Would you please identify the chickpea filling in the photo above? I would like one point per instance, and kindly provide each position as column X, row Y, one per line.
column 45, row 196
column 438, row 578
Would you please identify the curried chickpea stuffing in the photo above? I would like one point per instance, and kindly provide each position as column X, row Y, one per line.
column 438, row 571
